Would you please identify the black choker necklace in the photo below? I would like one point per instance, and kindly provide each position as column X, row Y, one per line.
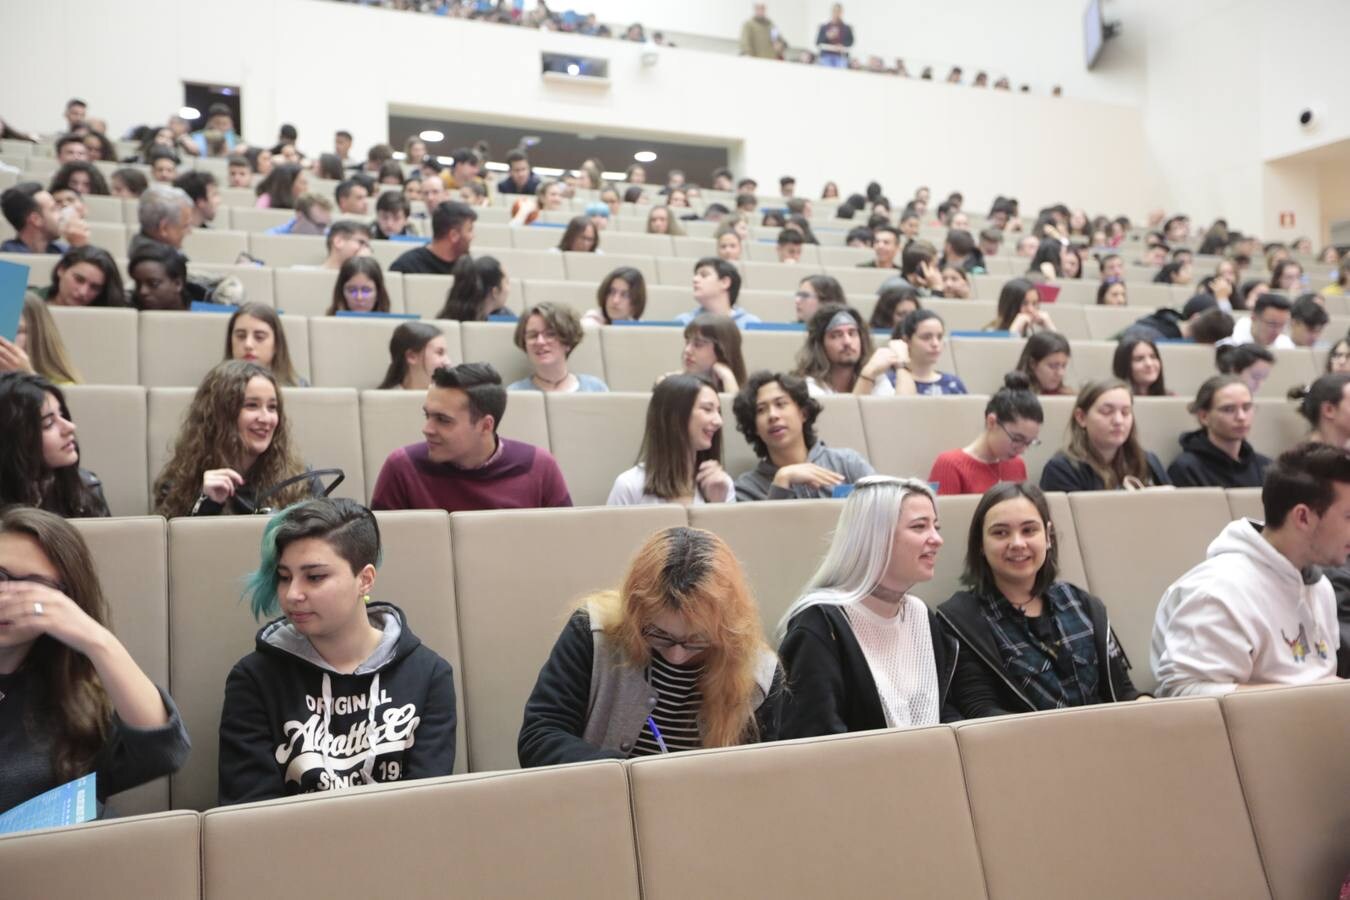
column 886, row 595
column 543, row 380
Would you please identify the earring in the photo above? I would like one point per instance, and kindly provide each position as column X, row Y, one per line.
column 365, row 598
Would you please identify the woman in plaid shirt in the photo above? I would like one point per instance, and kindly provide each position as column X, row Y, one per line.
column 1031, row 642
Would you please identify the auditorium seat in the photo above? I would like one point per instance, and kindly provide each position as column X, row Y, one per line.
column 1105, row 322
column 40, row 265
column 767, row 252
column 771, row 349
column 1162, row 808
column 693, row 248
column 494, row 342
column 178, row 349
column 529, row 237
column 212, row 246
column 1135, row 545
column 1186, row 366
column 771, row 306
column 131, row 559
column 827, row 820
column 580, row 296
column 108, row 235
column 640, row 244
column 518, row 574
column 212, row 627
column 983, row 361
column 425, row 295
column 588, row 465
column 666, row 302
column 111, row 422
column 957, row 315
column 257, row 280
column 1058, row 412
column 678, row 271
column 528, row 263
column 905, row 434
column 102, row 343
column 592, row 268
column 637, row 355
column 1293, row 367
column 101, row 210
column 559, row 833
column 281, row 251
column 1070, row 321
column 309, row 292
column 354, row 352
column 1160, row 422
column 1246, row 502
column 1289, row 745
column 256, row 220
column 156, row 857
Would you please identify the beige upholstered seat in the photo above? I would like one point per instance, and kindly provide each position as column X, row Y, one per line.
column 494, row 342
column 592, row 268
column 178, row 349
column 354, row 352
column 983, row 361
column 257, row 280
column 282, row 250
column 1246, row 503
column 637, row 355
column 590, row 467
column 102, row 343
column 111, row 422
column 905, row 434
column 424, row 295
column 212, row 246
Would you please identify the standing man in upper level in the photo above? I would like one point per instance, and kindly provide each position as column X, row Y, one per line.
column 759, row 36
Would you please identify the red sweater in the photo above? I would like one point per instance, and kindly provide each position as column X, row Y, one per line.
column 957, row 472
column 521, row 477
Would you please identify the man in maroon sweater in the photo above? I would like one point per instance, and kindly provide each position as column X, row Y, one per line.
column 463, row 464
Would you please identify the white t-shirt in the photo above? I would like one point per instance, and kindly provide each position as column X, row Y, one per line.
column 882, row 387
column 1242, row 334
column 899, row 651
column 628, row 490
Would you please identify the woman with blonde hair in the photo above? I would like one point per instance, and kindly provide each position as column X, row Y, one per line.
column 38, row 348
column 1103, row 450
column 661, row 220
column 862, row 652
column 673, row 660
column 234, row 445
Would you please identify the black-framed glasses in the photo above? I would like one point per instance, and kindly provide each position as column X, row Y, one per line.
column 1020, row 440
column 659, row 640
column 6, row 575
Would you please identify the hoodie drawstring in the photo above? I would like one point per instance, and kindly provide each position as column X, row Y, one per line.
column 368, row 767
column 324, row 735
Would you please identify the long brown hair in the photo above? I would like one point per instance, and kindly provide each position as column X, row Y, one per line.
column 79, row 712
column 281, row 367
column 1129, row 461
column 811, row 359
column 694, row 573
column 209, row 439
column 666, row 451
column 46, row 351
column 726, row 341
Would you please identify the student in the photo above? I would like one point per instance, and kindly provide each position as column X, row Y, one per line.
column 1164, row 324
column 925, row 334
column 789, row 246
column 1217, row 454
column 730, row 245
column 1030, row 641
column 717, row 284
column 918, row 266
column 621, row 297
column 392, row 211
column 452, row 225
column 712, row 350
column 1265, row 327
column 681, row 456
column 1250, row 362
column 340, row 692
column 39, row 457
column 886, row 247
column 777, row 415
column 313, row 215
column 1338, row 357
column 548, row 333
column 160, row 274
column 1019, row 310
column 85, row 276
column 1307, row 320
column 416, row 349
column 1112, row 293
column 346, row 239
column 1044, row 360
column 832, row 358
column 860, row 651
column 1012, row 426
column 1258, row 611
column 1138, row 363
column 38, row 348
column 955, row 283
column 463, row 463
column 1325, row 404
column 580, row 236
column 1103, row 451
column 481, row 290
column 359, row 287
column 660, row 220
column 254, row 334
column 33, row 214
column 894, row 302
column 75, row 702
column 813, row 291
column 282, row 186
column 233, row 447
column 682, row 637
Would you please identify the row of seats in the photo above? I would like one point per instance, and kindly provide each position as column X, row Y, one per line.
column 174, row 590
column 1194, row 798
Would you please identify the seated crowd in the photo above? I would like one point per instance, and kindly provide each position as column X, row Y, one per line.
column 340, row 691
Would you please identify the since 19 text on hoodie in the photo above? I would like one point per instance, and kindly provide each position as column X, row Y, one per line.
column 1243, row 616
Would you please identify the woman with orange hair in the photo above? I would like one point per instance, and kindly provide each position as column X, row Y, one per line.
column 673, row 660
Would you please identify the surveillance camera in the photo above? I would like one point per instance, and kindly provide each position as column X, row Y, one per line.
column 1310, row 116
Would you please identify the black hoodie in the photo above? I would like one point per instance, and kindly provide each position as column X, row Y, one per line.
column 1201, row 464
column 292, row 725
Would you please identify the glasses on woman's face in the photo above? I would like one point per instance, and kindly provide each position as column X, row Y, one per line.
column 1019, row 440
column 358, row 290
column 659, row 640
column 6, row 575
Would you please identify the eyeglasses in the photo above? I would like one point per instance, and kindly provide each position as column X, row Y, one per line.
column 6, row 575
column 357, row 290
column 1020, row 440
column 659, row 640
column 532, row 336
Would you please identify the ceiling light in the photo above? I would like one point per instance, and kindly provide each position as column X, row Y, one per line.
column 573, row 69
column 189, row 113
column 645, row 156
column 431, row 136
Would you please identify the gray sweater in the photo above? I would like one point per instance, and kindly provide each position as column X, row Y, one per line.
column 757, row 484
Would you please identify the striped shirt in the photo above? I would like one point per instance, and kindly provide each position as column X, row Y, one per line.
column 678, row 700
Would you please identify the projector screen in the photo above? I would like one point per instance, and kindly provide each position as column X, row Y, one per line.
column 1094, row 36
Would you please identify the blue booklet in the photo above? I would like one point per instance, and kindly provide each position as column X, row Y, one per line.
column 202, row 306
column 13, row 284
column 70, row 804
column 357, row 314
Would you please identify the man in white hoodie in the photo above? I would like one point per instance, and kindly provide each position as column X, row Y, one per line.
column 1258, row 610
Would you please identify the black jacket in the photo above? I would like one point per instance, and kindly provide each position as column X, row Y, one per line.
column 1201, row 464
column 830, row 689
column 1163, row 324
column 983, row 686
column 1340, row 583
column 291, row 725
column 1063, row 474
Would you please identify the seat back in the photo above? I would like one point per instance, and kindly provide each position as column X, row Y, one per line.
column 111, row 424
column 477, row 836
column 1160, row 422
column 905, row 434
column 100, row 342
column 593, row 267
column 510, row 614
column 281, row 251
column 178, row 348
column 326, row 434
column 354, row 352
column 214, row 246
column 636, row 355
column 848, row 787
column 424, row 295
column 982, row 362
column 1290, row 750
column 1246, row 503
column 494, row 342
column 1126, row 762
column 594, row 437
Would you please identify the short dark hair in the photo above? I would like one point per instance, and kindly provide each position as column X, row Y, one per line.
column 790, row 236
column 1305, row 475
column 516, row 156
column 1211, row 326
column 888, row 228
column 238, row 162
column 961, row 242
column 720, row 171
column 195, row 184
column 1271, row 300
column 744, row 407
column 723, row 269
column 174, row 263
column 1308, row 311
column 75, row 101
column 18, row 202
column 483, row 386
column 465, row 155
column 344, row 228
column 393, row 201
column 1328, row 388
column 860, row 233
column 449, row 215
column 1234, row 359
column 342, row 133
column 915, row 254
column 69, row 138
column 978, row 574
column 344, row 188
